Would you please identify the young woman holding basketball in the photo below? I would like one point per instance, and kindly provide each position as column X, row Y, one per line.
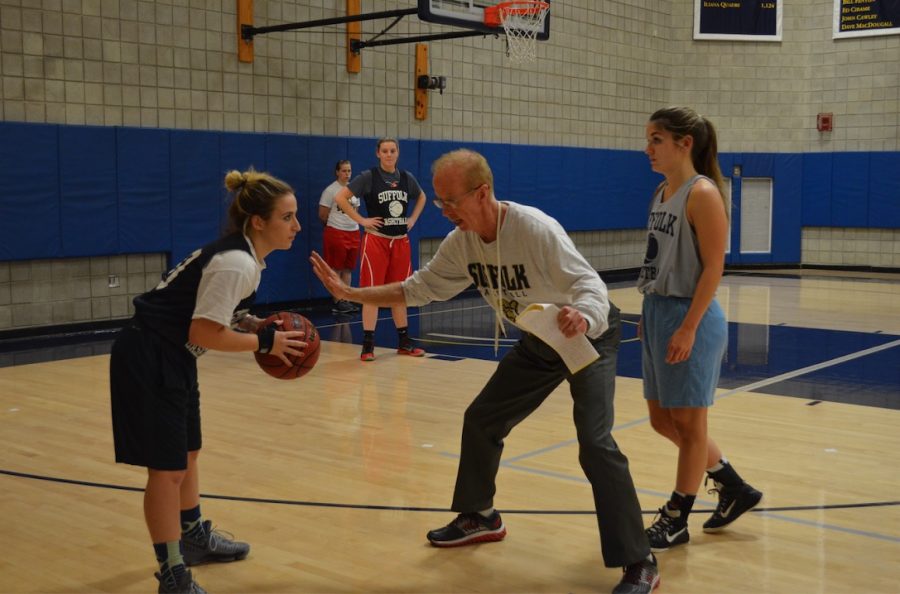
column 683, row 330
column 153, row 369
column 387, row 192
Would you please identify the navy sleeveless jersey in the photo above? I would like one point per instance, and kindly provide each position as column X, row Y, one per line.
column 169, row 307
column 389, row 199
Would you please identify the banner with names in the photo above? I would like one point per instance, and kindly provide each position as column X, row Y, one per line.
column 743, row 20
column 864, row 18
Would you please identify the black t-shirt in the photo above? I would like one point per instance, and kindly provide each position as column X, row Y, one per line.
column 387, row 195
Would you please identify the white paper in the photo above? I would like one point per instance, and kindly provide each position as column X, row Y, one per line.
column 540, row 319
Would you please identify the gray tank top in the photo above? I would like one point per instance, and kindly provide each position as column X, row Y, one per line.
column 672, row 264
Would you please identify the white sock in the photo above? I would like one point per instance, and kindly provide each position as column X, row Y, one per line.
column 487, row 513
column 718, row 465
column 672, row 513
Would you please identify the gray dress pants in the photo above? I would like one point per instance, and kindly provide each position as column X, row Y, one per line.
column 523, row 380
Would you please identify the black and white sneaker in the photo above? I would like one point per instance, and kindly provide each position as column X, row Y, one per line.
column 666, row 532
column 469, row 529
column 733, row 503
column 211, row 546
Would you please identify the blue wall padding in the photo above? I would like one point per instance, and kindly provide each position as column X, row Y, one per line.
column 815, row 192
column 198, row 190
column 288, row 271
column 536, row 170
column 850, row 190
column 757, row 164
column 570, row 178
column 618, row 187
column 29, row 202
column 87, row 191
column 361, row 152
column 786, row 215
column 143, row 172
column 884, row 190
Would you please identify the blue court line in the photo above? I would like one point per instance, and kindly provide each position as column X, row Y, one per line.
column 832, row 527
column 809, row 369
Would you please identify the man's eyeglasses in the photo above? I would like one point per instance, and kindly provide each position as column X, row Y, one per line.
column 455, row 200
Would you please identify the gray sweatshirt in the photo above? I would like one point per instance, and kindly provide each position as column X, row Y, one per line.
column 532, row 261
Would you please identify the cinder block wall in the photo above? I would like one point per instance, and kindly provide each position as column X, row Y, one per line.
column 606, row 67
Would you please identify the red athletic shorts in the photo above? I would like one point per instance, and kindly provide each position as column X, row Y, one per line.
column 384, row 260
column 340, row 249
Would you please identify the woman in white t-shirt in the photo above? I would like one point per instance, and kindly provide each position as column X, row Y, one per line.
column 340, row 239
column 202, row 304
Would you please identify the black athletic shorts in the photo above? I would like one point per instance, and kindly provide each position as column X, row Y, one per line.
column 155, row 400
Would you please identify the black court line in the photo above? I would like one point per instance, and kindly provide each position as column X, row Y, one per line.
column 366, row 506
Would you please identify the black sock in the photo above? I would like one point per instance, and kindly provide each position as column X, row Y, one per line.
column 404, row 339
column 192, row 521
column 727, row 475
column 369, row 337
column 682, row 504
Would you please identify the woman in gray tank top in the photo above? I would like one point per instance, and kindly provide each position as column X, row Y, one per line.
column 683, row 330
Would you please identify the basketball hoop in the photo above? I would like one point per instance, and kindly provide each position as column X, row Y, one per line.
column 521, row 21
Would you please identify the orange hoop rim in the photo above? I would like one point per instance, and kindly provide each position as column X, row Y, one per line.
column 492, row 14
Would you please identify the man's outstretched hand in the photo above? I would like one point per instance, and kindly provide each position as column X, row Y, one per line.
column 329, row 277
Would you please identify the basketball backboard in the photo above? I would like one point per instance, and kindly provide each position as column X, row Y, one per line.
column 468, row 14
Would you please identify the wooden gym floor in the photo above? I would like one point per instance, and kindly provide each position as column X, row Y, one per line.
column 335, row 478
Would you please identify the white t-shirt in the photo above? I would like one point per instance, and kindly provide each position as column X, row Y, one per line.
column 538, row 263
column 337, row 218
column 228, row 278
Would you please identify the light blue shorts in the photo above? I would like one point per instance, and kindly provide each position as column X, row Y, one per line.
column 691, row 383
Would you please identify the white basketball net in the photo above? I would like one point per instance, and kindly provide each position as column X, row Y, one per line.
column 522, row 21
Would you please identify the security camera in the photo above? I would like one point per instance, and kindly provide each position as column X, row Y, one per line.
column 432, row 82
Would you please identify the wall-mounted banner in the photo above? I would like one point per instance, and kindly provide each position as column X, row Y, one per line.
column 863, row 18
column 748, row 20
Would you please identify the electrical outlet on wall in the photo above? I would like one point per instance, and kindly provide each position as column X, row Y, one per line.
column 113, row 281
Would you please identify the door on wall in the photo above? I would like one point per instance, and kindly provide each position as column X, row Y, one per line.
column 751, row 220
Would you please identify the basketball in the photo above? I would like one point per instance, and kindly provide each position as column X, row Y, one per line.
column 300, row 365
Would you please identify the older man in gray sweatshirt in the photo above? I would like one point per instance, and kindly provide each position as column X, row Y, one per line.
column 516, row 256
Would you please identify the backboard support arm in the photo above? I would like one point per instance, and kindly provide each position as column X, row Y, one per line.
column 248, row 32
column 358, row 45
